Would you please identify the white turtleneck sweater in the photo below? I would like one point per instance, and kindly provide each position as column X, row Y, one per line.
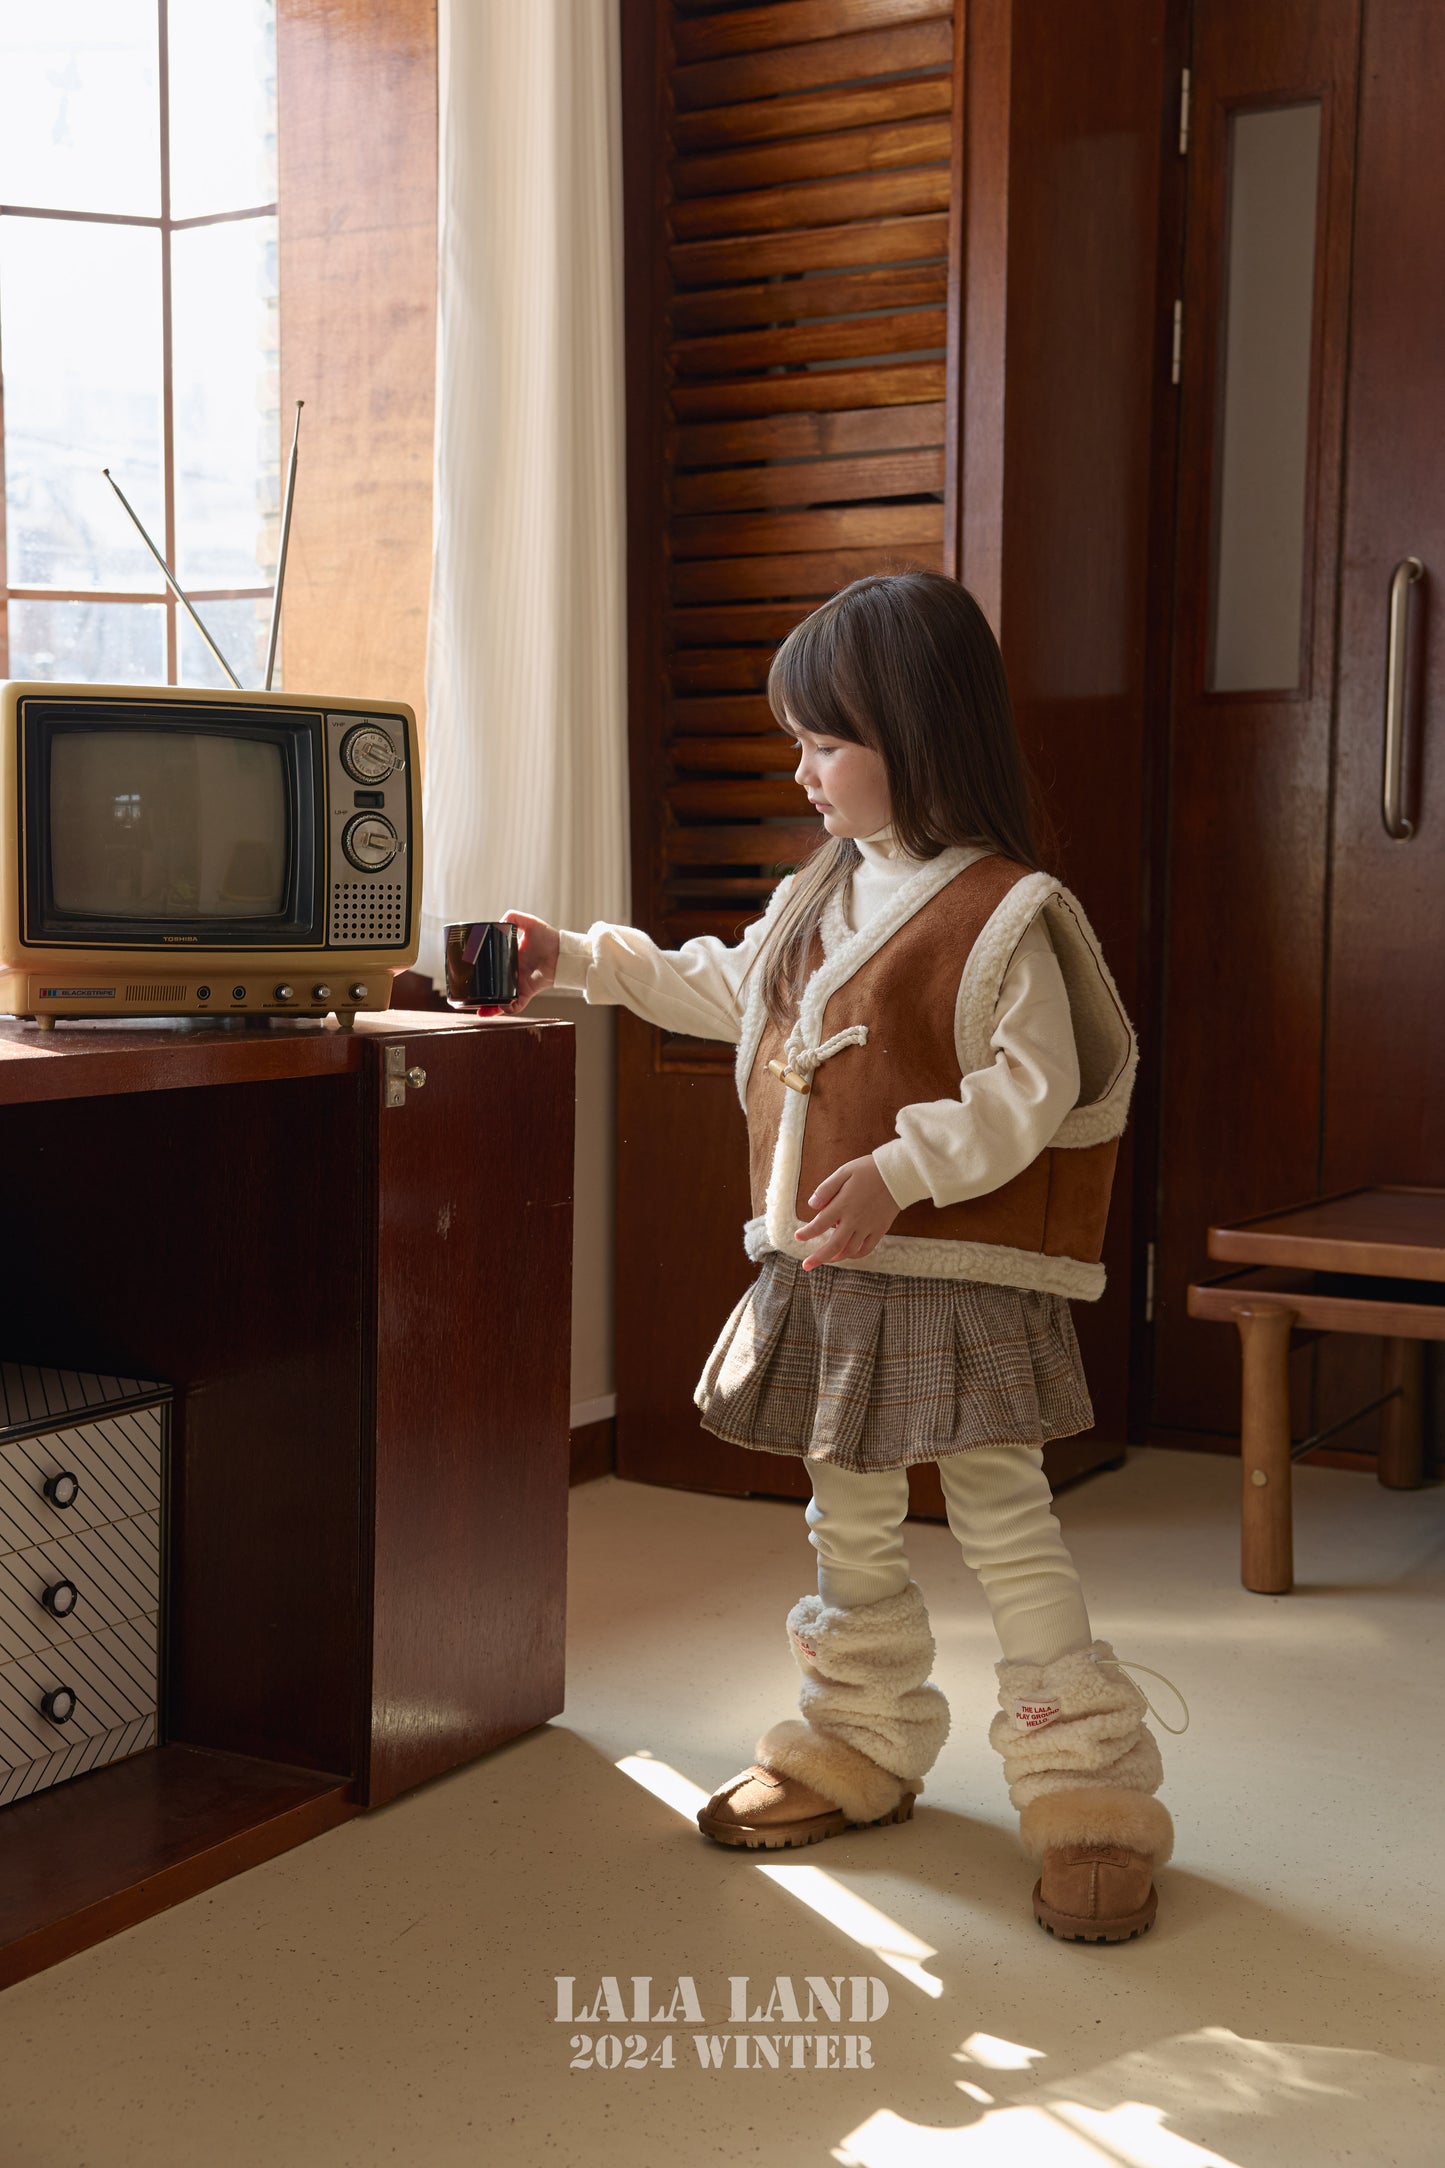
column 945, row 1149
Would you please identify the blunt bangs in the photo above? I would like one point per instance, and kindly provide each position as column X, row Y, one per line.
column 812, row 675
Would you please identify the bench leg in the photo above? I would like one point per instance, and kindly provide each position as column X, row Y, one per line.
column 1266, row 1529
column 1402, row 1423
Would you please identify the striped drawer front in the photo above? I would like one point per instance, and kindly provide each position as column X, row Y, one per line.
column 34, row 1398
column 117, row 1461
column 113, row 1677
column 73, row 1760
column 116, row 1570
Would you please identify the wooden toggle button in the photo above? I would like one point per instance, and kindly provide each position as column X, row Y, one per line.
column 789, row 1076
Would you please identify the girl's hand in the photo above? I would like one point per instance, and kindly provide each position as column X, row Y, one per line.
column 538, row 945
column 854, row 1209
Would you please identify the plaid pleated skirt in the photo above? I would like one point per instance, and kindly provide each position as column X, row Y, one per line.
column 877, row 1370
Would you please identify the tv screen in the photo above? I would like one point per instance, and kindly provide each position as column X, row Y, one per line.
column 167, row 824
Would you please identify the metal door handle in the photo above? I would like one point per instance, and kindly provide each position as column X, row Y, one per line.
column 1404, row 576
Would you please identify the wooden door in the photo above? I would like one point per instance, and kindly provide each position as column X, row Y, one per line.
column 1385, row 1051
column 1262, row 375
column 788, row 174
column 1074, row 222
column 469, row 1290
column 893, row 297
column 1384, row 1105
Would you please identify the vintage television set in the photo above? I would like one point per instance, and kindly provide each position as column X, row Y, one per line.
column 172, row 851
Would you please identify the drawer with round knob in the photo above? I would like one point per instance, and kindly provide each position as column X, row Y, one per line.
column 68, row 1709
column 83, row 1476
column 53, row 1593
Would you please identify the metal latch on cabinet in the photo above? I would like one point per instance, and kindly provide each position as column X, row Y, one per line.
column 397, row 1078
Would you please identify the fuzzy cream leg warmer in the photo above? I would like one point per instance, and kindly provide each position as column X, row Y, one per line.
column 1081, row 1763
column 872, row 1725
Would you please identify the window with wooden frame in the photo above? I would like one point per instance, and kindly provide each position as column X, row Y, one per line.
column 138, row 332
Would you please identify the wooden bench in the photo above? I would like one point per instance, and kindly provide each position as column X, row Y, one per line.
column 1368, row 1261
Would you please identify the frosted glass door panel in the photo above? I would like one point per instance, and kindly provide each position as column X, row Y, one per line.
column 79, row 114
column 81, row 309
column 223, row 105
column 225, row 364
column 1259, row 538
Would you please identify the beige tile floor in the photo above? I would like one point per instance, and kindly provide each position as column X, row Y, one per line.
column 386, row 1995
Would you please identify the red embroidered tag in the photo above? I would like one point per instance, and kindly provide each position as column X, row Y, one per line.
column 806, row 1646
column 1034, row 1715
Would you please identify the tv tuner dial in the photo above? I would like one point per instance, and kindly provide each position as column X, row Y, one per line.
column 368, row 755
column 370, row 841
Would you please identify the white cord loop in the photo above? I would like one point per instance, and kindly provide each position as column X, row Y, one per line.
column 1178, row 1730
column 805, row 1059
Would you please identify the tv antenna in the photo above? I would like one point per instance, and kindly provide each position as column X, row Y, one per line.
column 184, row 599
column 281, row 550
column 171, row 581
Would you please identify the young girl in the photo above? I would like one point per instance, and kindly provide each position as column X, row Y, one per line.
column 936, row 1068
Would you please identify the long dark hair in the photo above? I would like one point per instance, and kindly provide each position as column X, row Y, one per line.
column 905, row 663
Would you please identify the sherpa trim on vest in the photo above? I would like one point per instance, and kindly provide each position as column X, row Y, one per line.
column 1107, row 1051
column 842, row 957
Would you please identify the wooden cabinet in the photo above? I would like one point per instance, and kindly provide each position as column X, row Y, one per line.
column 363, row 1311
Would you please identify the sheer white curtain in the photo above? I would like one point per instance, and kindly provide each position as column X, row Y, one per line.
column 526, row 735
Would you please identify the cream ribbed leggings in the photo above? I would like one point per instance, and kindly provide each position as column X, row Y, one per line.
column 1000, row 1508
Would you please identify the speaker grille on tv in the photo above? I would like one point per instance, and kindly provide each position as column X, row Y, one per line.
column 368, row 914
column 171, row 990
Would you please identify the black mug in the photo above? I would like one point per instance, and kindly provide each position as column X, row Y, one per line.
column 481, row 958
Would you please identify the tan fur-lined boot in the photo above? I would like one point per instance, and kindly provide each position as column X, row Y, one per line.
column 872, row 1728
column 1082, row 1768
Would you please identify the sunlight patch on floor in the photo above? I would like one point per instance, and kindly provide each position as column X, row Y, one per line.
column 1062, row 2135
column 1314, row 2097
column 996, row 2054
column 664, row 1782
column 863, row 1923
column 822, row 1893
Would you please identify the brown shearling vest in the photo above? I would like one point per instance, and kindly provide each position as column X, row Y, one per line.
column 905, row 994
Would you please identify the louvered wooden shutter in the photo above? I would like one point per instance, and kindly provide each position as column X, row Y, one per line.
column 787, row 416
